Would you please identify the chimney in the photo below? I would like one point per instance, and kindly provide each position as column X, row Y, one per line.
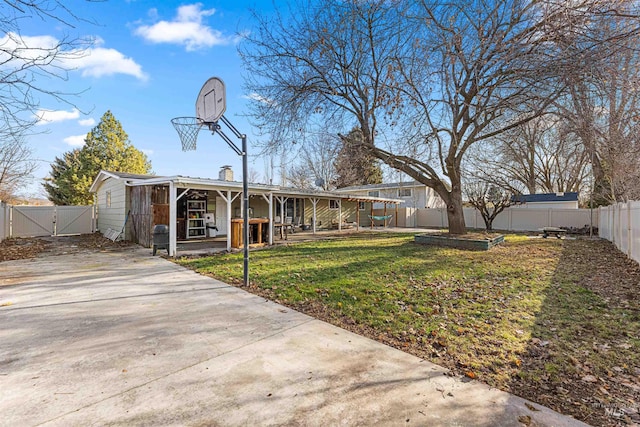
column 226, row 173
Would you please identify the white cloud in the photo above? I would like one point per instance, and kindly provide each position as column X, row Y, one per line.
column 51, row 116
column 147, row 151
column 47, row 52
column 257, row 97
column 99, row 61
column 87, row 122
column 185, row 29
column 21, row 49
column 75, row 140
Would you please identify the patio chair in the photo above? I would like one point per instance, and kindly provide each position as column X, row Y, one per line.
column 288, row 223
column 297, row 223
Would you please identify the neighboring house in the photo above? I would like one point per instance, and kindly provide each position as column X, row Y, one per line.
column 546, row 201
column 196, row 205
column 413, row 194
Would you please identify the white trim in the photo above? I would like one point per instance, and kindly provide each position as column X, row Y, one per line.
column 173, row 221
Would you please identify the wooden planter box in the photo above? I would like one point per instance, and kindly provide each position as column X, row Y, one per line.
column 460, row 243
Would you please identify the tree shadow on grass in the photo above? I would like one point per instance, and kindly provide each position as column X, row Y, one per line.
column 583, row 358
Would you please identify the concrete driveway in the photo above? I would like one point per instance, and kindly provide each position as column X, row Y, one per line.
column 124, row 338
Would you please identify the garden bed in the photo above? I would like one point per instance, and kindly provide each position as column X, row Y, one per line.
column 476, row 242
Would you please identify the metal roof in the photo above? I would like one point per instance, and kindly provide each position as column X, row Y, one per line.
column 207, row 183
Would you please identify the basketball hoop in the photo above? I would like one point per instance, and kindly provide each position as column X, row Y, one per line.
column 188, row 129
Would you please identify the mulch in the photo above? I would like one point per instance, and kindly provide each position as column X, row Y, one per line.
column 32, row 247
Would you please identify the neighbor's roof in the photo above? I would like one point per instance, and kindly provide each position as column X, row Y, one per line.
column 545, row 197
column 380, row 186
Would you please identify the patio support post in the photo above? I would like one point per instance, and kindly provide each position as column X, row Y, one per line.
column 339, row 214
column 314, row 202
column 385, row 214
column 357, row 216
column 229, row 200
column 173, row 220
column 371, row 218
column 397, row 216
column 270, row 218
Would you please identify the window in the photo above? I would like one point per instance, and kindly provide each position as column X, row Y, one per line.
column 334, row 204
column 108, row 199
column 361, row 206
column 374, row 193
column 404, row 192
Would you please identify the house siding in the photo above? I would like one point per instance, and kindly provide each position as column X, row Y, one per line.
column 421, row 196
column 114, row 216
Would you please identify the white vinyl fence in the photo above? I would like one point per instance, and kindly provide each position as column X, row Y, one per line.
column 620, row 224
column 511, row 219
column 32, row 221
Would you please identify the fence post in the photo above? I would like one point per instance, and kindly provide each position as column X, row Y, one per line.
column 10, row 221
column 3, row 220
column 629, row 240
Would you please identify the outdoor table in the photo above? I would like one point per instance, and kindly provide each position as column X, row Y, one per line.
column 546, row 231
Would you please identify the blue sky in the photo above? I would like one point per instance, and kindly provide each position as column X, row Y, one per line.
column 147, row 66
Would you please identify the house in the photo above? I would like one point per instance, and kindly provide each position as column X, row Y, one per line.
column 197, row 205
column 413, row 194
column 546, row 201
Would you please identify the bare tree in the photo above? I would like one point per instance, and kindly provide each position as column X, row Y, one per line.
column 298, row 176
column 318, row 156
column 16, row 167
column 459, row 72
column 433, row 75
column 253, row 175
column 29, row 63
column 602, row 105
column 539, row 156
column 489, row 199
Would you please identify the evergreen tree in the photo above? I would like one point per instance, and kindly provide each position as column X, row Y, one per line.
column 107, row 147
column 354, row 164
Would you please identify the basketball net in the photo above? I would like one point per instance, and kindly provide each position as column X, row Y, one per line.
column 188, row 129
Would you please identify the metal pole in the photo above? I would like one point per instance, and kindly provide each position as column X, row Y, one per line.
column 245, row 208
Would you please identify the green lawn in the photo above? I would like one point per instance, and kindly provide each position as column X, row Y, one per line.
column 522, row 316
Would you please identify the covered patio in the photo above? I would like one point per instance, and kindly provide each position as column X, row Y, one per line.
column 206, row 213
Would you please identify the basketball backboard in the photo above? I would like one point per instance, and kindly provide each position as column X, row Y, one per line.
column 211, row 102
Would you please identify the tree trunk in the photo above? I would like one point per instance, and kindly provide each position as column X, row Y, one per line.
column 455, row 214
column 488, row 222
column 602, row 191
